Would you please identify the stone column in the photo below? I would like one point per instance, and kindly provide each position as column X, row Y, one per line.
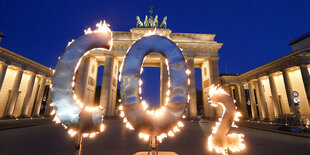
column 14, row 94
column 214, row 74
column 243, row 103
column 192, row 89
column 109, row 86
column 231, row 92
column 306, row 79
column 274, row 95
column 237, row 96
column 163, row 81
column 39, row 98
column 208, row 110
column 48, row 102
column 3, row 68
column 28, row 93
column 263, row 103
column 262, row 100
column 253, row 101
column 226, row 87
column 288, row 89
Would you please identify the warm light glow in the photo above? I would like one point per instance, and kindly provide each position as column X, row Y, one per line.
column 101, row 127
column 91, row 109
column 91, row 135
column 161, row 137
column 72, row 132
column 144, row 136
column 122, row 114
column 53, row 112
column 216, row 90
column 101, row 27
column 129, row 126
column 233, row 142
column 120, row 107
column 70, row 42
column 188, row 72
column 180, row 124
column 150, row 33
column 170, row 133
column 56, row 119
column 176, row 129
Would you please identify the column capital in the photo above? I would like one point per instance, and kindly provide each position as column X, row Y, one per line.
column 274, row 74
column 304, row 65
column 3, row 63
column 244, row 83
column 40, row 76
column 15, row 67
column 29, row 72
column 253, row 81
column 290, row 68
column 263, row 77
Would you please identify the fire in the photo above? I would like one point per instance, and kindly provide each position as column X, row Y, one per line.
column 70, row 42
column 144, row 136
column 217, row 142
column 72, row 132
column 56, row 119
column 150, row 33
column 216, row 90
column 101, row 27
column 101, row 127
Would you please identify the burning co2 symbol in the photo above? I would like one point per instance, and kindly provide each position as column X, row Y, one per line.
column 164, row 121
column 219, row 140
column 86, row 121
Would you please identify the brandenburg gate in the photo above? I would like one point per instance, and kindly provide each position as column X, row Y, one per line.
column 200, row 51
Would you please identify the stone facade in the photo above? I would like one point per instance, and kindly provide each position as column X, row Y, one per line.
column 24, row 81
column 200, row 51
column 24, row 85
column 266, row 91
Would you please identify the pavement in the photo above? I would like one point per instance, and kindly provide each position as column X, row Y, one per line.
column 23, row 122
column 52, row 139
column 271, row 127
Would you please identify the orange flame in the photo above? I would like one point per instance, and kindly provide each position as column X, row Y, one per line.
column 101, row 27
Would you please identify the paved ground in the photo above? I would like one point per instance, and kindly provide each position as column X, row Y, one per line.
column 23, row 122
column 117, row 140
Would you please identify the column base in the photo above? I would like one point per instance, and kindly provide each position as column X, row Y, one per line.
column 23, row 116
column 8, row 117
column 35, row 115
column 159, row 153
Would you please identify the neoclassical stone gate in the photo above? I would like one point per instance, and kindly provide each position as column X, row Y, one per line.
column 200, row 51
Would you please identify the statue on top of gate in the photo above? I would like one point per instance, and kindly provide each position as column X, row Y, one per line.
column 150, row 21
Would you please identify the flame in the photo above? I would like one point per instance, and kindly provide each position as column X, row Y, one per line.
column 161, row 137
column 70, row 42
column 101, row 127
column 101, row 27
column 216, row 90
column 129, row 126
column 72, row 132
column 93, row 134
column 53, row 112
column 144, row 136
column 188, row 72
column 56, row 119
column 150, row 32
column 232, row 142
